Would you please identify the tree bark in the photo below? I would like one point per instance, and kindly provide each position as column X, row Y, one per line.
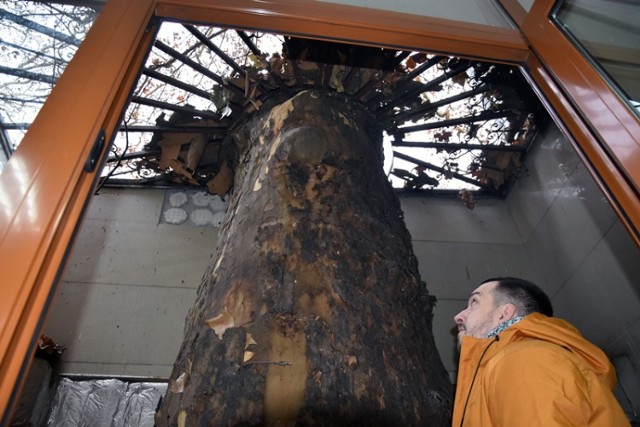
column 313, row 312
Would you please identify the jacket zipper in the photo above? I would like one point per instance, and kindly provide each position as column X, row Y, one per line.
column 473, row 380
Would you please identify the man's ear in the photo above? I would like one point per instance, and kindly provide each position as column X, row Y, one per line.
column 507, row 311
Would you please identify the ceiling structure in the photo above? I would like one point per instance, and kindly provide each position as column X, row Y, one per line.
column 451, row 125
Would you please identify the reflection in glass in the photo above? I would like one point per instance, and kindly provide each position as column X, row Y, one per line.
column 608, row 31
column 38, row 39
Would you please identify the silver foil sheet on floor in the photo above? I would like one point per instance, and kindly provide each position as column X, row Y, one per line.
column 106, row 402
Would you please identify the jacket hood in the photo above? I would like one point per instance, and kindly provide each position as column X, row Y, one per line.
column 562, row 333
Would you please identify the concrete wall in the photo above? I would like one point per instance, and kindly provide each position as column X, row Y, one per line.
column 132, row 276
column 457, row 249
column 128, row 284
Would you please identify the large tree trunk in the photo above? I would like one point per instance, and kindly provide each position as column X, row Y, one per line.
column 313, row 311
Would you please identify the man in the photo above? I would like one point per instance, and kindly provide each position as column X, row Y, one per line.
column 521, row 367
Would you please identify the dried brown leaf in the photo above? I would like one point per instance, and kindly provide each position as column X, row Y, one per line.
column 49, row 346
column 419, row 58
column 468, row 199
column 443, row 136
column 222, row 182
column 411, row 64
column 460, row 79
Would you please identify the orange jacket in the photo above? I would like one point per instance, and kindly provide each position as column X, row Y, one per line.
column 538, row 372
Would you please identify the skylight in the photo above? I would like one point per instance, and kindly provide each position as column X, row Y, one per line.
column 451, row 125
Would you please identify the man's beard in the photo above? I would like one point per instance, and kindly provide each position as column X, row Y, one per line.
column 459, row 339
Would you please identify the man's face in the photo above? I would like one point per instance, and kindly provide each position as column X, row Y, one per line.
column 481, row 314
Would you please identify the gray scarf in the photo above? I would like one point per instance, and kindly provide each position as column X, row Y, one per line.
column 502, row 326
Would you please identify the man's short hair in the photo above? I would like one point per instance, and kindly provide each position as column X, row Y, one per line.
column 526, row 296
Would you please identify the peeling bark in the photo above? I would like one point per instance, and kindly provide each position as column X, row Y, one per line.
column 313, row 312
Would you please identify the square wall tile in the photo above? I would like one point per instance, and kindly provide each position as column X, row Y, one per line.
column 585, row 205
column 571, row 305
column 621, row 253
column 448, row 220
column 627, row 365
column 118, row 330
column 120, row 252
column 87, row 251
column 131, row 205
column 157, row 325
column 93, row 321
column 570, row 229
column 549, row 164
column 611, row 276
column 602, row 297
column 633, row 334
column 452, row 270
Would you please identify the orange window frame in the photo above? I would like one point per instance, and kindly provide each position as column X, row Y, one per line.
column 44, row 189
column 603, row 126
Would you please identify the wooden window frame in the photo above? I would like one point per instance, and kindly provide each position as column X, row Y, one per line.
column 44, row 188
column 603, row 126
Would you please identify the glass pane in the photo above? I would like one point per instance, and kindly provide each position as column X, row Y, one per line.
column 38, row 41
column 608, row 31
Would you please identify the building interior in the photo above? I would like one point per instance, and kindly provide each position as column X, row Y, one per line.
column 150, row 229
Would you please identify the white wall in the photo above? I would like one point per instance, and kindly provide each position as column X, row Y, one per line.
column 457, row 249
column 130, row 280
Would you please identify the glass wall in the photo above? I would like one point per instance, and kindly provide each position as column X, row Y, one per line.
column 608, row 32
column 38, row 41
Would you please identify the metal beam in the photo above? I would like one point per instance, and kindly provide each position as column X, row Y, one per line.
column 176, row 129
column 208, row 43
column 486, row 115
column 199, row 68
column 247, row 40
column 425, row 87
column 409, row 77
column 177, row 83
column 439, row 169
column 459, row 146
column 433, row 106
column 172, row 107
